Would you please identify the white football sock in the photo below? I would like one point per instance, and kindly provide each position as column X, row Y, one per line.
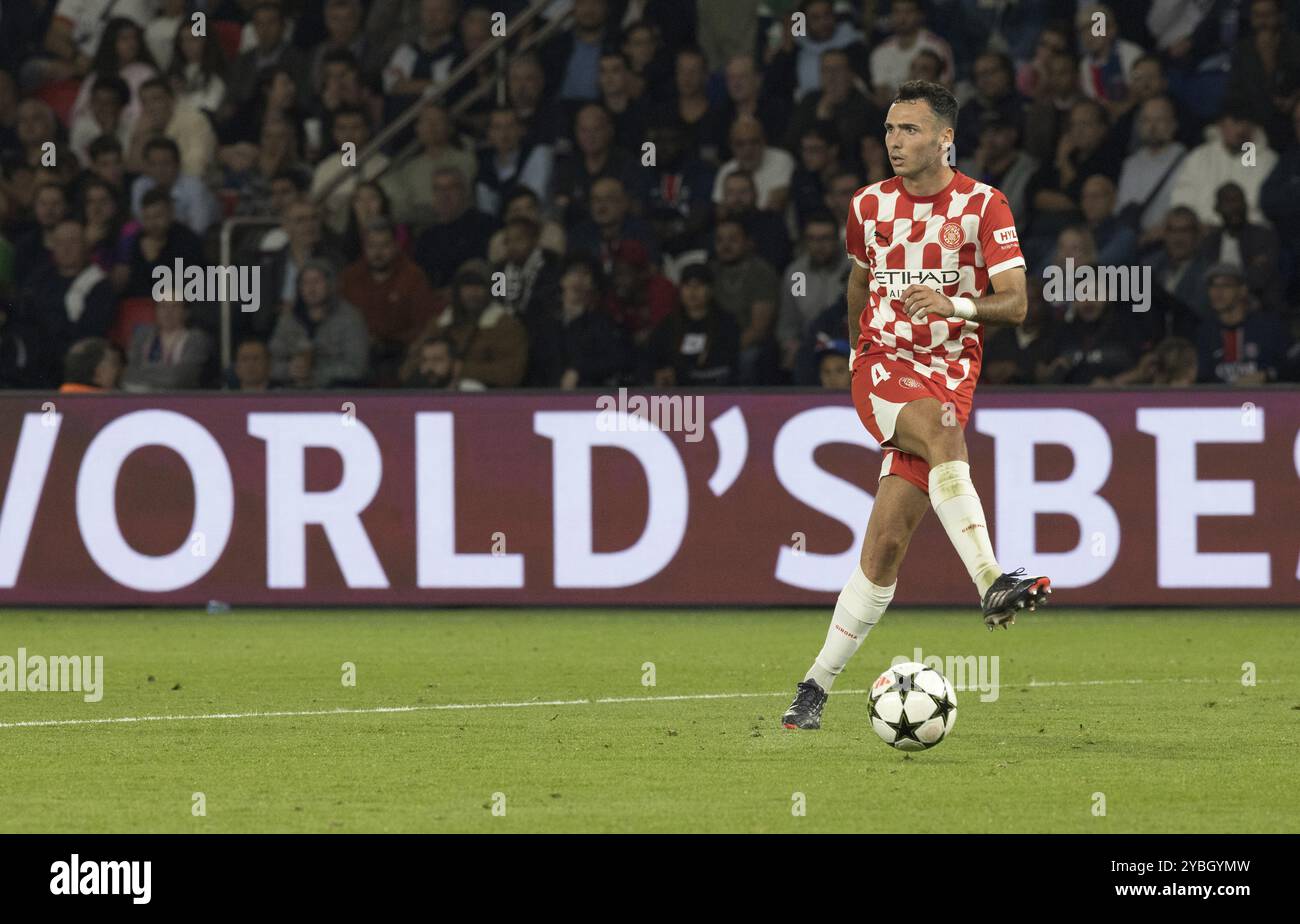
column 959, row 510
column 859, row 608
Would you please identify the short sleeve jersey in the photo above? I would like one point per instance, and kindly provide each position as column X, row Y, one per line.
column 952, row 242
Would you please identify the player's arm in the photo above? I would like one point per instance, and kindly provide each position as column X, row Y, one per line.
column 1006, row 304
column 858, row 288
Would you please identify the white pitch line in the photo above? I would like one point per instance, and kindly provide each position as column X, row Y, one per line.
column 607, row 700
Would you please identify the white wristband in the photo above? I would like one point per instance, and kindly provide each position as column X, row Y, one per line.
column 963, row 308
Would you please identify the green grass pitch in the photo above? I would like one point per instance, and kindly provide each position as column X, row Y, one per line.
column 1145, row 707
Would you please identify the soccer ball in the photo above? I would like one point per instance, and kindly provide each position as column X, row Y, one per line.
column 913, row 707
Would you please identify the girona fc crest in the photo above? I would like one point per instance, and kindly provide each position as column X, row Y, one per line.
column 951, row 236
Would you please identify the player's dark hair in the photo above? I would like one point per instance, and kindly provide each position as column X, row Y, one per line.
column 939, row 98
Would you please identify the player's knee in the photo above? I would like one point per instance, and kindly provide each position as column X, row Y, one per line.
column 885, row 554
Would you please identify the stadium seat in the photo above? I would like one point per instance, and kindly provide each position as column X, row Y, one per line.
column 60, row 95
column 131, row 313
column 228, row 34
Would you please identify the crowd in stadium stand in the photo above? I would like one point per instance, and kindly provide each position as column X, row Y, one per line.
column 655, row 196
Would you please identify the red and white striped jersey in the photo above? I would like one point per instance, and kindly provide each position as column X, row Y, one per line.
column 952, row 242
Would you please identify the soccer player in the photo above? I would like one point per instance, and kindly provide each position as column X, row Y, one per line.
column 926, row 244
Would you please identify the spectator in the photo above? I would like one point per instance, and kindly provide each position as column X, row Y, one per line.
column 67, row 300
column 102, row 215
column 766, row 230
column 747, row 95
column 506, row 164
column 1178, row 269
column 833, row 365
column 159, row 241
column 490, row 346
column 641, row 296
column 321, row 341
column 1048, row 117
column 197, row 71
column 75, row 33
column 194, row 204
column 524, row 203
column 1221, row 159
column 1252, row 247
column 838, row 102
column 819, row 155
column 689, row 109
column 273, row 48
column 161, row 117
column 435, row 367
column 1265, row 75
column 1116, row 241
column 103, row 115
column 679, row 206
column 393, row 296
column 369, row 202
column 410, row 184
column 1280, row 194
column 17, row 353
column 342, row 168
column 249, row 171
column 815, row 279
column 610, row 224
column 891, row 61
column 619, row 97
column 91, row 365
column 1097, row 341
column 543, row 121
column 1021, row 355
column 699, row 343
column 1082, row 151
column 1108, row 58
column 1238, row 346
column 32, row 249
column 998, row 160
column 531, row 272
column 746, row 288
column 459, row 231
column 344, row 34
column 301, row 240
column 1145, row 180
column 995, row 102
column 573, row 343
column 161, row 31
column 168, row 354
column 572, row 60
column 595, row 157
column 771, row 167
column 799, row 62
column 253, row 366
column 121, row 55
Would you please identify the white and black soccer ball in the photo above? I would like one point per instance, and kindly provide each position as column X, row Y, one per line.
column 913, row 707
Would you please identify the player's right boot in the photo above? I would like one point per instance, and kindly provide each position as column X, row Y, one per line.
column 1011, row 593
column 806, row 710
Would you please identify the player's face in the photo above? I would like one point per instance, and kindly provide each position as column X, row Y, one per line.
column 914, row 138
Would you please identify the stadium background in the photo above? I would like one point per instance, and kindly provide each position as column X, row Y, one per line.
column 514, row 234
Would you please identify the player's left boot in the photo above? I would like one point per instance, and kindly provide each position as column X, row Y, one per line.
column 1010, row 594
column 806, row 710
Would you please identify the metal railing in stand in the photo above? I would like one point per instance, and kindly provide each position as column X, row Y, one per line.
column 227, row 229
column 435, row 92
column 528, row 43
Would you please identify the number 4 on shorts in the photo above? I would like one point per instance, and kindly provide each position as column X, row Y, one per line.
column 879, row 374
